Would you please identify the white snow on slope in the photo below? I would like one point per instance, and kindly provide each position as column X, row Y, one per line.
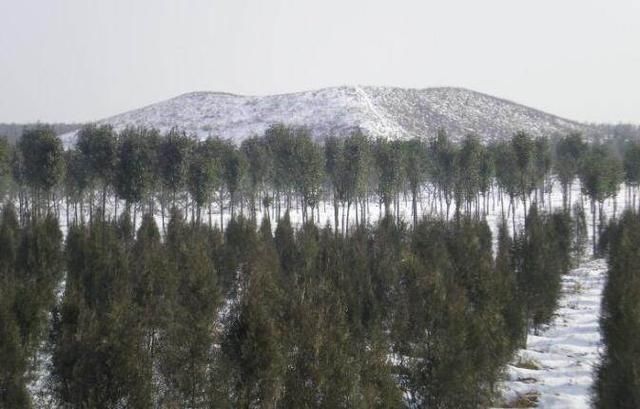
column 379, row 111
column 568, row 349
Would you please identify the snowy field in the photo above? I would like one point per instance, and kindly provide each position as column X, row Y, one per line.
column 556, row 370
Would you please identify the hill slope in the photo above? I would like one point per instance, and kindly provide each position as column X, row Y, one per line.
column 378, row 111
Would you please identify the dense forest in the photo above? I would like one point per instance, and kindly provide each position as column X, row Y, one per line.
column 156, row 270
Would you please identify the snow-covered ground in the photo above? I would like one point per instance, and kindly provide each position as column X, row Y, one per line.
column 556, row 370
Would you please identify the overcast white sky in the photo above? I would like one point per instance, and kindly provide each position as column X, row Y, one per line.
column 80, row 60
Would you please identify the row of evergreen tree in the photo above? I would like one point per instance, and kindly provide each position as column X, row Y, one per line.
column 618, row 374
column 285, row 169
column 384, row 317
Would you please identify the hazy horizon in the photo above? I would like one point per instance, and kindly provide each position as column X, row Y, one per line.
column 78, row 61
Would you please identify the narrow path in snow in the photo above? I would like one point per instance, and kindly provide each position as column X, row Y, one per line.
column 566, row 352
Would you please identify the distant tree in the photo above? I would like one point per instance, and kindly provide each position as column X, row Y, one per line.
column 524, row 150
column 507, row 176
column 5, row 167
column 346, row 164
column 259, row 166
column 307, row 169
column 542, row 168
column 234, row 166
column 203, row 176
column 280, row 142
column 443, row 157
column 467, row 175
column 416, row 156
column 600, row 173
column 42, row 153
column 486, row 174
column 135, row 165
column 631, row 162
column 568, row 153
column 173, row 158
column 98, row 146
column 334, row 160
column 387, row 157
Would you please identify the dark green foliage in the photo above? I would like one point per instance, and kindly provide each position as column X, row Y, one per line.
column 30, row 268
column 307, row 169
column 173, row 161
column 98, row 147
column 443, row 161
column 632, row 164
column 259, row 165
column 458, row 330
column 387, row 157
column 362, row 316
column 203, row 175
column 568, row 155
column 254, row 344
column 98, row 359
column 13, row 391
column 42, row 155
column 507, row 292
column 581, row 233
column 186, row 346
column 544, row 255
column 5, row 166
column 618, row 377
column 467, row 178
column 234, row 167
column 416, row 168
column 600, row 173
column 135, row 167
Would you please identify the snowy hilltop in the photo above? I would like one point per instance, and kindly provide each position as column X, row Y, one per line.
column 387, row 112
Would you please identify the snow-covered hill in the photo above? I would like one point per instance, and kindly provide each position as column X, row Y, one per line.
column 378, row 111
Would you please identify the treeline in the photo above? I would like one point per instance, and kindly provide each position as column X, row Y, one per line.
column 284, row 169
column 385, row 316
column 13, row 131
column 617, row 382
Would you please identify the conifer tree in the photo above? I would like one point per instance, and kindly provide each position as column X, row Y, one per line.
column 443, row 157
column 631, row 163
column 98, row 146
column 203, row 176
column 186, row 347
column 259, row 166
column 42, row 153
column 568, row 155
column 135, row 165
column 416, row 170
column 255, row 336
column 600, row 175
column 98, row 358
column 618, row 379
column 13, row 382
column 173, row 158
